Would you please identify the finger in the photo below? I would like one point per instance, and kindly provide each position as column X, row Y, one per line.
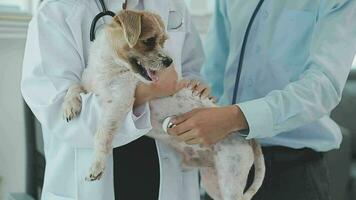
column 194, row 141
column 193, row 84
column 205, row 93
column 179, row 129
column 190, row 135
column 213, row 99
column 184, row 82
column 199, row 89
column 183, row 117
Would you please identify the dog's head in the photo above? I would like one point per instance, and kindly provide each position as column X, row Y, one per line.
column 138, row 39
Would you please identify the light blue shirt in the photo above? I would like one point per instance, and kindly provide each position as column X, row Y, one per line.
column 297, row 59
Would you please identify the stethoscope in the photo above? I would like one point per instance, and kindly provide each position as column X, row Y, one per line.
column 167, row 122
column 107, row 12
column 243, row 50
column 104, row 12
column 172, row 24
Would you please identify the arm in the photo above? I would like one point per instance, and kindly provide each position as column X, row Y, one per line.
column 320, row 87
column 52, row 63
column 314, row 95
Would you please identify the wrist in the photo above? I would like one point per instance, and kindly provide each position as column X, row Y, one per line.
column 149, row 92
column 238, row 120
column 143, row 94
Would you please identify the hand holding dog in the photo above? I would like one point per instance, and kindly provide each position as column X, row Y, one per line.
column 198, row 88
column 166, row 85
column 207, row 126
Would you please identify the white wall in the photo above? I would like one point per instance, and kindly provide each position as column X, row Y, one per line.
column 12, row 124
column 12, row 130
column 27, row 6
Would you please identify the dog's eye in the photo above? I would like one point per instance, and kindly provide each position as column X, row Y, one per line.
column 150, row 42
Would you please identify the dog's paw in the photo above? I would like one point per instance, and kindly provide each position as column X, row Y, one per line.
column 71, row 107
column 96, row 171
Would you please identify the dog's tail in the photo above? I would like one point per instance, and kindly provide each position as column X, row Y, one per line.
column 260, row 170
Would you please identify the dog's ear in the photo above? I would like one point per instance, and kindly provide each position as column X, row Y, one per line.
column 160, row 22
column 130, row 21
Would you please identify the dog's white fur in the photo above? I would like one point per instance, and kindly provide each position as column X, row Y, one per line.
column 224, row 167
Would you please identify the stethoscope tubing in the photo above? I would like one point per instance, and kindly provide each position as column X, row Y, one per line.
column 96, row 19
column 105, row 12
column 243, row 50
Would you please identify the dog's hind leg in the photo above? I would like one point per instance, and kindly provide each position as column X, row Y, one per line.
column 72, row 104
column 210, row 182
column 233, row 162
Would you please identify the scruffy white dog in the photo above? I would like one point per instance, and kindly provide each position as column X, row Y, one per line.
column 129, row 50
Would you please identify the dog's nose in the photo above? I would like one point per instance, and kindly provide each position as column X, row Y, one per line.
column 167, row 61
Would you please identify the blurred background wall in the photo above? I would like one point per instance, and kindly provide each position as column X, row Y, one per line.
column 14, row 18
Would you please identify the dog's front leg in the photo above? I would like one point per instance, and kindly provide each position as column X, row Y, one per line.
column 114, row 112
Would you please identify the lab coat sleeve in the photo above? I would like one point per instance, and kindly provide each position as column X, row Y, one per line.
column 52, row 63
column 216, row 50
column 318, row 89
column 192, row 51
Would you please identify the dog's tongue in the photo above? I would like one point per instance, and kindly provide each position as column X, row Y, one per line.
column 152, row 74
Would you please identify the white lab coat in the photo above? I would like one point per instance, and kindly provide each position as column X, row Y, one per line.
column 55, row 57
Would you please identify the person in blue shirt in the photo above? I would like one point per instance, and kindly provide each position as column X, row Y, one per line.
column 297, row 58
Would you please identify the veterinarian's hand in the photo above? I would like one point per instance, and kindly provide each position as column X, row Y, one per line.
column 199, row 89
column 166, row 85
column 207, row 126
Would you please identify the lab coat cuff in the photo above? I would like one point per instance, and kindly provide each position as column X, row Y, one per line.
column 136, row 126
column 141, row 117
column 259, row 118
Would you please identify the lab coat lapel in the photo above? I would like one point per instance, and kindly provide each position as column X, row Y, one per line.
column 160, row 7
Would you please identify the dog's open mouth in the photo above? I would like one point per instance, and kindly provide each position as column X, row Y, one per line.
column 145, row 72
column 152, row 74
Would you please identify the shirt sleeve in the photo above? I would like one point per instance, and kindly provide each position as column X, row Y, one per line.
column 52, row 63
column 319, row 88
column 216, row 50
column 192, row 51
